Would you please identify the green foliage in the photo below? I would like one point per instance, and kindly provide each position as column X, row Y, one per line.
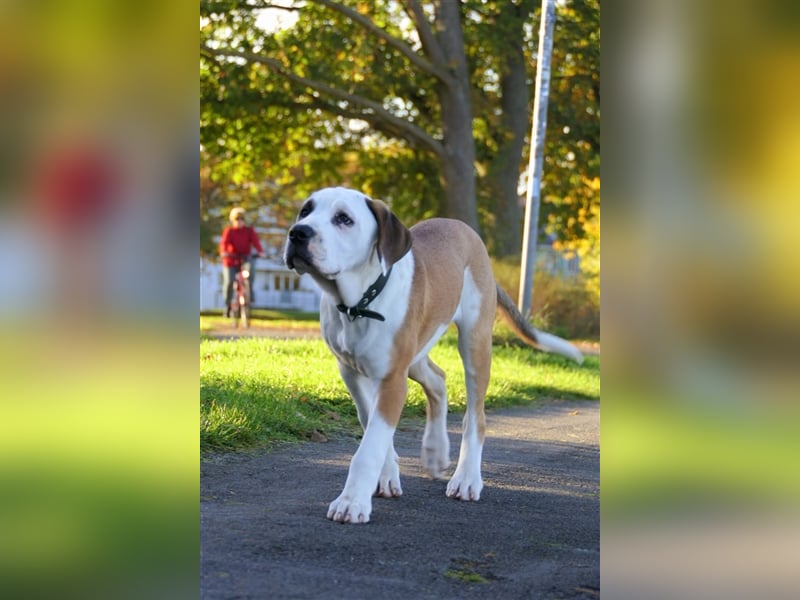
column 572, row 155
column 566, row 306
column 258, row 125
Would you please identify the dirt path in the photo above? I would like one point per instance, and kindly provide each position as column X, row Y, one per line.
column 534, row 534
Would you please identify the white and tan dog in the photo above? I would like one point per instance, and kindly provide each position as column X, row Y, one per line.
column 389, row 295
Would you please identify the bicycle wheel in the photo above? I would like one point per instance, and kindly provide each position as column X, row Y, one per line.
column 244, row 304
column 234, row 307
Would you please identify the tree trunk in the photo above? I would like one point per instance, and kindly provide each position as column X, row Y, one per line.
column 458, row 159
column 503, row 173
column 458, row 163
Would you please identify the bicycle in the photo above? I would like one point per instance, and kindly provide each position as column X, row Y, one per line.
column 240, row 307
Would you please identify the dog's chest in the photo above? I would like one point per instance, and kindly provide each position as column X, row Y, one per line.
column 362, row 345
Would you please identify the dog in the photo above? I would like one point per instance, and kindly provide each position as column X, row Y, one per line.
column 389, row 293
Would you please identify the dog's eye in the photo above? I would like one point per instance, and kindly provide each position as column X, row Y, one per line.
column 341, row 218
column 306, row 210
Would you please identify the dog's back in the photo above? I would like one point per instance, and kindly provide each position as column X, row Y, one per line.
column 444, row 248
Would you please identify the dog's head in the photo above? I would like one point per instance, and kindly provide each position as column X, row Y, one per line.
column 341, row 230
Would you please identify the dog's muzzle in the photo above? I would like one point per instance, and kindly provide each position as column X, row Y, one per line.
column 297, row 255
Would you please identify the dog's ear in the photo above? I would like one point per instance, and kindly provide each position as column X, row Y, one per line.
column 394, row 238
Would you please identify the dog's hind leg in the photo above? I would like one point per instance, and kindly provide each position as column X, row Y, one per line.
column 475, row 347
column 435, row 443
column 466, row 483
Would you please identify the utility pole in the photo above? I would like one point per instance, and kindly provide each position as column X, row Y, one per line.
column 533, row 196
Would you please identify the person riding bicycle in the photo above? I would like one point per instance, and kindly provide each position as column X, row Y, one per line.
column 236, row 247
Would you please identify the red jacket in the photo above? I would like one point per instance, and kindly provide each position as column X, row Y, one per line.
column 235, row 241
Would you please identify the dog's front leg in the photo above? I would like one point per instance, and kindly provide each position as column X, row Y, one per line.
column 354, row 504
column 375, row 460
column 364, row 392
column 389, row 482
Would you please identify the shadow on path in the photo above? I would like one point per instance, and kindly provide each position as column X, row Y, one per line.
column 535, row 533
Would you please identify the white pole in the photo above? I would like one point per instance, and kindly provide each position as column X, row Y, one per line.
column 538, row 129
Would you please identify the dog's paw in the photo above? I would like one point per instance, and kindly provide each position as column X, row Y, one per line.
column 464, row 486
column 435, row 454
column 435, row 461
column 389, row 482
column 348, row 510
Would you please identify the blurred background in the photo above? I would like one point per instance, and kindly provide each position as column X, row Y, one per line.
column 98, row 297
column 701, row 310
column 98, row 280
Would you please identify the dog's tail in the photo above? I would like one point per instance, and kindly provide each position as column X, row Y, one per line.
column 531, row 335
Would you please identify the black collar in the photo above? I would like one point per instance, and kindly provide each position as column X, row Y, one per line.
column 359, row 310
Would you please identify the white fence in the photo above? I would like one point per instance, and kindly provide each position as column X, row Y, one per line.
column 274, row 287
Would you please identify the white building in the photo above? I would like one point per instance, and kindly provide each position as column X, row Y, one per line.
column 275, row 287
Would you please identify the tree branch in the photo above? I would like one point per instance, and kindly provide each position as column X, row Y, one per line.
column 397, row 44
column 373, row 122
column 375, row 111
column 429, row 42
column 264, row 5
column 252, row 5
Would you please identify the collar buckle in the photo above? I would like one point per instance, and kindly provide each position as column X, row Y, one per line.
column 359, row 310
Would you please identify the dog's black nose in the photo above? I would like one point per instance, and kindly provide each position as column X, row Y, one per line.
column 300, row 234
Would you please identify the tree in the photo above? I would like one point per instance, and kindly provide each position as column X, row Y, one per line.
column 496, row 47
column 571, row 179
column 440, row 57
column 380, row 95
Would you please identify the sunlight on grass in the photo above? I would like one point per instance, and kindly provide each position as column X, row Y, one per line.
column 256, row 391
column 260, row 390
column 261, row 318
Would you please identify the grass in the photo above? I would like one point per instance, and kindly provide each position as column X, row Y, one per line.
column 257, row 391
column 210, row 320
column 465, row 576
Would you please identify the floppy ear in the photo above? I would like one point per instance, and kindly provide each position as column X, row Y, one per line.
column 394, row 238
